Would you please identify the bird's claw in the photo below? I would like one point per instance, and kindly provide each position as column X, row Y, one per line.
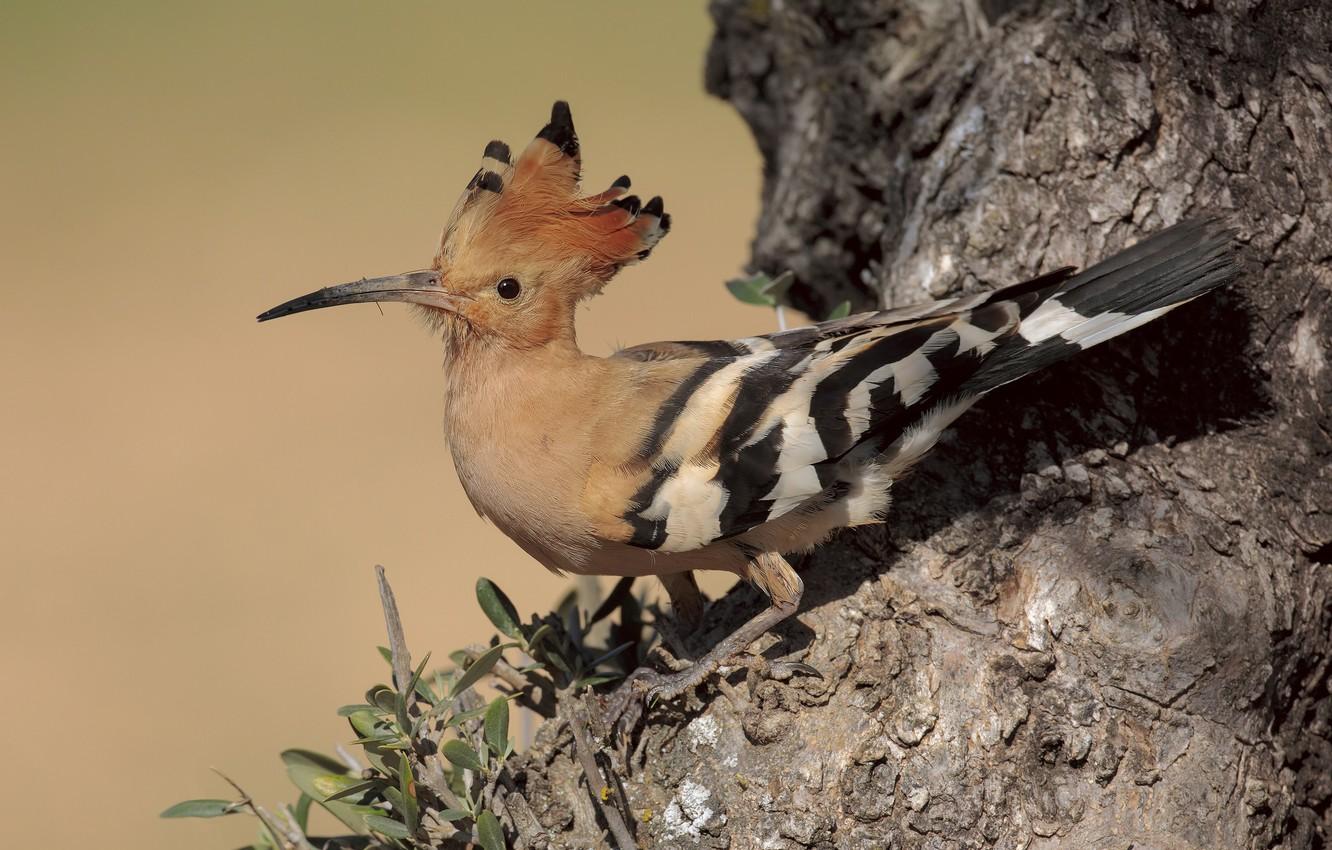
column 624, row 706
column 787, row 669
column 646, row 687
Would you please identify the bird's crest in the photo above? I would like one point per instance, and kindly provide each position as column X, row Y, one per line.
column 531, row 207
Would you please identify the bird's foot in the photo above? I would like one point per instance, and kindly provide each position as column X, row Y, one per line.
column 646, row 687
column 784, row 670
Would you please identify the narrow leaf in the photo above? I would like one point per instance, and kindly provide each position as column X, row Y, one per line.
column 461, row 755
column 750, row 290
column 411, row 811
column 326, row 764
column 777, row 287
column 478, row 668
column 387, row 826
column 543, row 631
column 497, row 727
column 200, row 809
column 383, row 698
column 555, row 658
column 451, row 815
column 367, row 724
column 841, row 311
column 497, row 607
column 302, row 812
column 488, row 830
column 330, row 787
column 351, row 790
column 349, row 710
column 463, row 716
column 304, row 775
column 416, row 675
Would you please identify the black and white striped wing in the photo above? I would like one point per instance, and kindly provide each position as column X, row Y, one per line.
column 749, row 437
column 792, row 421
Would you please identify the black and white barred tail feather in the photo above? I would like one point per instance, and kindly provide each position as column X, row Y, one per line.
column 1135, row 286
column 811, row 426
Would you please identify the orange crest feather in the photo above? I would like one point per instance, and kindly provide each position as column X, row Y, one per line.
column 532, row 207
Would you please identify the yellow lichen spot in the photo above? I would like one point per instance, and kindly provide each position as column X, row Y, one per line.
column 647, row 816
column 605, row 793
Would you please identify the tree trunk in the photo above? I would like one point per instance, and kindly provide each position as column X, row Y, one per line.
column 1100, row 614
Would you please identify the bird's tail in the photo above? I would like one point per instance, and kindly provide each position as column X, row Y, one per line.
column 1064, row 313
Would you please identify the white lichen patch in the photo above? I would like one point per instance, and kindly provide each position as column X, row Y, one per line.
column 704, row 731
column 688, row 813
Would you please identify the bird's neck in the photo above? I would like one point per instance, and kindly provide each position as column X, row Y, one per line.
column 487, row 383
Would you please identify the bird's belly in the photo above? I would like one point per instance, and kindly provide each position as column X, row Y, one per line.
column 618, row 559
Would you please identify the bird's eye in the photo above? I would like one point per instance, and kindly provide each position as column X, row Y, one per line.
column 508, row 288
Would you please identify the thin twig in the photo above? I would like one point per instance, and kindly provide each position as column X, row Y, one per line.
column 595, row 781
column 402, row 659
column 502, row 670
column 277, row 828
column 352, row 762
column 521, row 683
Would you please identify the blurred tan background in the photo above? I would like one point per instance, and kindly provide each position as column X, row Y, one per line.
column 192, row 502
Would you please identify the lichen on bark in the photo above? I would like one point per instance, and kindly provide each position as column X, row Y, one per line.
column 1100, row 614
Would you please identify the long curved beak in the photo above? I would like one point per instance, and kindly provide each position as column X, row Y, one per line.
column 417, row 287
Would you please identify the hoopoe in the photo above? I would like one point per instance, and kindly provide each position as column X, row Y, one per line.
column 671, row 457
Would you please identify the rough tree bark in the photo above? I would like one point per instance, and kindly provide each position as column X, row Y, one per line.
column 1101, row 613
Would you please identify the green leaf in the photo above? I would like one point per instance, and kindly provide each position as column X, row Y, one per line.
column 452, row 815
column 841, row 311
column 497, row 727
column 598, row 679
column 387, row 826
column 302, row 812
column 331, row 786
column 405, row 699
column 488, row 830
column 327, row 764
column 463, row 716
column 367, row 724
column 416, row 675
column 497, row 607
column 779, row 285
column 543, row 631
column 749, row 290
column 480, row 667
column 305, row 769
column 201, row 809
column 383, row 698
column 411, row 811
column 461, row 755
column 555, row 658
column 352, row 789
column 349, row 710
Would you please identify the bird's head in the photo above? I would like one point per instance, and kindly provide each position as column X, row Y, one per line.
column 521, row 249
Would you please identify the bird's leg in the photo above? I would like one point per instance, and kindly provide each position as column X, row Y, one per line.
column 687, row 606
column 770, row 573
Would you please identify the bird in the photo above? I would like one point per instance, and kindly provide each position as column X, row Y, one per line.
column 669, row 458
